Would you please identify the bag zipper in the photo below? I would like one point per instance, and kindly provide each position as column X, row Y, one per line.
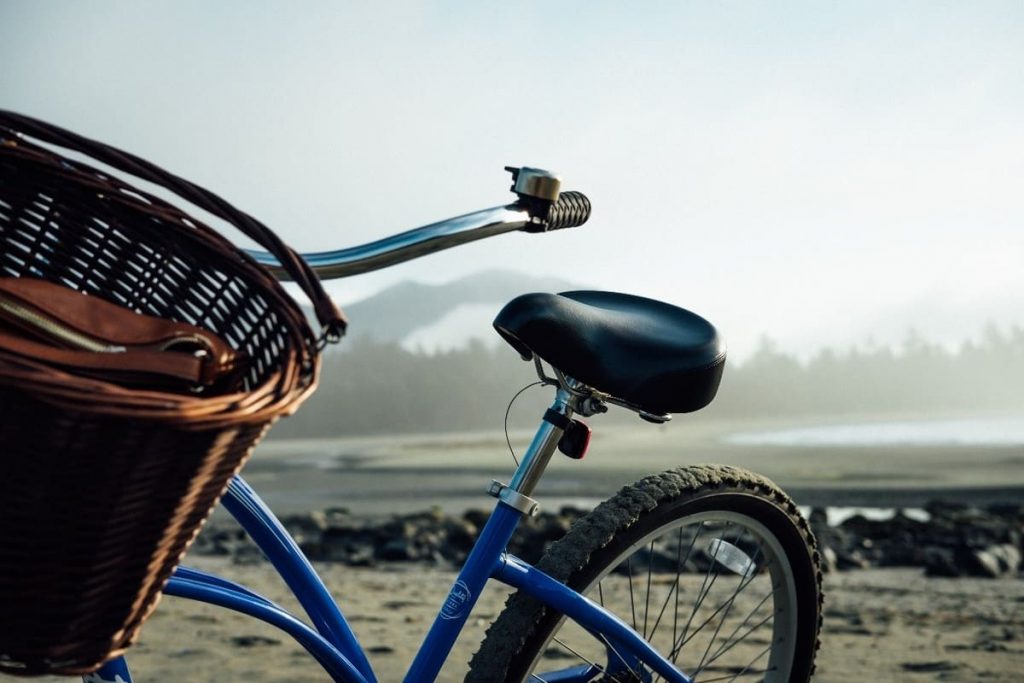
column 54, row 329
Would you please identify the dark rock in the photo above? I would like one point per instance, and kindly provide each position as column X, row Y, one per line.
column 957, row 540
column 829, row 538
column 398, row 550
column 998, row 561
column 1007, row 510
column 476, row 517
column 248, row 555
column 995, row 561
column 535, row 534
column 829, row 559
column 941, row 562
column 252, row 641
column 851, row 559
column 938, row 509
column 309, row 523
column 930, row 667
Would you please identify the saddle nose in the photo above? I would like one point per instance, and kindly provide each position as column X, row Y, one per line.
column 658, row 357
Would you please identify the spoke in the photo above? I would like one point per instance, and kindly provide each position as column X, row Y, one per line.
column 740, row 585
column 632, row 605
column 729, row 642
column 611, row 647
column 705, row 588
column 700, row 601
column 591, row 663
column 744, row 672
column 714, row 659
column 675, row 586
column 708, row 620
column 733, row 643
column 732, row 677
column 647, row 598
column 675, row 616
column 684, row 638
column 747, row 667
column 668, row 598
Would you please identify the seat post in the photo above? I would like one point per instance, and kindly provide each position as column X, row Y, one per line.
column 544, row 443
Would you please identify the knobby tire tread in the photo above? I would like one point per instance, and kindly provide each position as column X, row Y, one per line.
column 570, row 556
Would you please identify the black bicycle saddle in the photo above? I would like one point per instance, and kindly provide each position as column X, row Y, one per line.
column 658, row 357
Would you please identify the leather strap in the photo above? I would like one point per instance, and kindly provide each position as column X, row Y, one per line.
column 101, row 319
column 153, row 347
column 178, row 366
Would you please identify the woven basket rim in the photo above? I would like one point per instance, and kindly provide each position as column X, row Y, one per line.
column 288, row 386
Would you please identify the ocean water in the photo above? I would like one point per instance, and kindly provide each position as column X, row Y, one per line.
column 989, row 431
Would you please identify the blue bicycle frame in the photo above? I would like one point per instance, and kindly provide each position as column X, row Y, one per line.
column 330, row 639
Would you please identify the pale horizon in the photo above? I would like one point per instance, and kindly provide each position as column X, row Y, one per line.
column 823, row 175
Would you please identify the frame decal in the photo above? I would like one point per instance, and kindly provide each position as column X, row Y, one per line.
column 456, row 602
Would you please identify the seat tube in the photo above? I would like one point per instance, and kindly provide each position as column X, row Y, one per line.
column 545, row 441
column 488, row 550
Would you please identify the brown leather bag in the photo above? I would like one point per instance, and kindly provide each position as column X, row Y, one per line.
column 88, row 336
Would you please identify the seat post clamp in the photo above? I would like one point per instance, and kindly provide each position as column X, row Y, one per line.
column 524, row 504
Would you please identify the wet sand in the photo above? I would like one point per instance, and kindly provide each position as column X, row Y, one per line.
column 377, row 475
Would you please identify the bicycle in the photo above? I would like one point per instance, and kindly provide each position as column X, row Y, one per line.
column 625, row 595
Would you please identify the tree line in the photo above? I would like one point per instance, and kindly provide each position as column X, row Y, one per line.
column 372, row 387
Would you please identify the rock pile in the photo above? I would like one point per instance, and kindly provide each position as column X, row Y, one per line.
column 335, row 535
column 956, row 540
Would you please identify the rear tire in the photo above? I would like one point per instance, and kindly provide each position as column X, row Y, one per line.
column 655, row 554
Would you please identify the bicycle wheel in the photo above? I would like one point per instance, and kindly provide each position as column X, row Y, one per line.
column 712, row 564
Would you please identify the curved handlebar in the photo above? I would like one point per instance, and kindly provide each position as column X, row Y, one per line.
column 572, row 209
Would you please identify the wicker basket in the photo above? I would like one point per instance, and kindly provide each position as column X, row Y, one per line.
column 103, row 488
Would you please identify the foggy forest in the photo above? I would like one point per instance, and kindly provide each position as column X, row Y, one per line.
column 373, row 387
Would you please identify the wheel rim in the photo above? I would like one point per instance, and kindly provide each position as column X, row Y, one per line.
column 726, row 610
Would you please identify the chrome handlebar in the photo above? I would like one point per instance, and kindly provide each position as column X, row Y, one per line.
column 410, row 244
column 541, row 207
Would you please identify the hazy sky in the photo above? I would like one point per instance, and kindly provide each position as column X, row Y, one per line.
column 817, row 172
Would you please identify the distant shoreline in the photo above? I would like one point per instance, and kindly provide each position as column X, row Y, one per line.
column 410, row 473
column 842, row 496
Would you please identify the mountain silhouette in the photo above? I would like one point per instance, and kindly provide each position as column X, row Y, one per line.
column 395, row 313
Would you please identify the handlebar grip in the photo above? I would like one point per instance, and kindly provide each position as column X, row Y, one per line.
column 571, row 210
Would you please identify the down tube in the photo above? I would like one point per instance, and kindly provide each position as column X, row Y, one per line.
column 330, row 658
column 196, row 585
column 292, row 565
column 585, row 612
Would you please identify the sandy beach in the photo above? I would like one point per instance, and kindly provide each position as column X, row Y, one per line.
column 880, row 625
